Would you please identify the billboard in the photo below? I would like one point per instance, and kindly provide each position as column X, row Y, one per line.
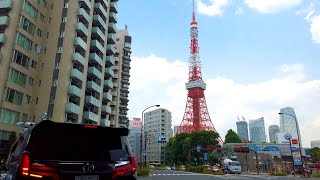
column 136, row 122
column 280, row 138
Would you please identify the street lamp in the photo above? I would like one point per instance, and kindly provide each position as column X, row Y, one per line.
column 145, row 146
column 299, row 140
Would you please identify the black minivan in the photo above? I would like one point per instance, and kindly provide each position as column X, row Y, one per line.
column 63, row 151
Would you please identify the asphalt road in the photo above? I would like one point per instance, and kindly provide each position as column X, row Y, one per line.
column 178, row 175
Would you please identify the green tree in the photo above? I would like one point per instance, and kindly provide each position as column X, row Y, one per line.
column 315, row 153
column 213, row 158
column 232, row 137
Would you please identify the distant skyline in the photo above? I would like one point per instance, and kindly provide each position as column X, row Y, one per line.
column 257, row 56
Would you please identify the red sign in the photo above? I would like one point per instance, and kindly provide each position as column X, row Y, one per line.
column 294, row 141
column 136, row 123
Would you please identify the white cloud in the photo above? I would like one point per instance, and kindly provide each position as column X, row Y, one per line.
column 272, row 6
column 315, row 28
column 239, row 11
column 215, row 8
column 155, row 80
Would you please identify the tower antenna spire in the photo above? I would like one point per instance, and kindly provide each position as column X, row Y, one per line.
column 193, row 14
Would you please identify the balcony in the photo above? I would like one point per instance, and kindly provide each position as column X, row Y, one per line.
column 113, row 7
column 91, row 85
column 95, row 59
column 108, row 84
column 114, row 93
column 2, row 39
column 112, row 28
column 74, row 90
column 72, row 108
column 110, row 61
column 97, row 20
column 82, row 29
column 75, row 73
column 5, row 6
column 93, row 101
column 88, row 115
column 95, row 72
column 107, row 96
column 111, row 50
column 4, row 22
column 113, row 103
column 115, row 84
column 100, row 9
column 105, row 122
column 109, row 73
column 95, row 45
column 85, row 3
column 83, row 16
column 97, row 33
column 126, row 63
column 115, row 76
column 106, row 109
column 78, row 59
column 113, row 112
column 79, row 43
column 113, row 17
column 111, row 39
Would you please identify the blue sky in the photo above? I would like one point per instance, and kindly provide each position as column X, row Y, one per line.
column 258, row 56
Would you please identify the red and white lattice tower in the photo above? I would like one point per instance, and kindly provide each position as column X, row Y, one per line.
column 196, row 116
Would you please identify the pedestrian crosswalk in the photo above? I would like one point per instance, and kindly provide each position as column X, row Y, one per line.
column 228, row 176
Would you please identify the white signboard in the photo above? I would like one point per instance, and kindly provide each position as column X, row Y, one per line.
column 280, row 137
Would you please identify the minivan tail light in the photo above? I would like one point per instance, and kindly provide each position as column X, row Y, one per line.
column 133, row 162
column 25, row 164
column 90, row 126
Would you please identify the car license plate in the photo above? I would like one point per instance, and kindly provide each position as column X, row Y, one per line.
column 91, row 177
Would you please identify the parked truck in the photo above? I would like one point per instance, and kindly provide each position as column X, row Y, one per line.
column 231, row 167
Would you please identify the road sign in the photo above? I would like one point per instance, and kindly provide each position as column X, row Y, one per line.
column 195, row 159
column 145, row 152
column 287, row 136
column 205, row 156
column 198, row 147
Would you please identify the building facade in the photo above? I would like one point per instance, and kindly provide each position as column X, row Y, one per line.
column 135, row 139
column 157, row 125
column 58, row 58
column 175, row 129
column 257, row 130
column 273, row 130
column 289, row 123
column 315, row 144
column 242, row 131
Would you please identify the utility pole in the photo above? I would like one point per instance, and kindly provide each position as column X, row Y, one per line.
column 257, row 162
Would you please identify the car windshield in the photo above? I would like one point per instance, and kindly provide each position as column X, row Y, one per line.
column 76, row 143
column 235, row 163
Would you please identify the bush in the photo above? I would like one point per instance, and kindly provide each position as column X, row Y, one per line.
column 158, row 168
column 143, row 171
column 279, row 174
column 316, row 175
column 196, row 169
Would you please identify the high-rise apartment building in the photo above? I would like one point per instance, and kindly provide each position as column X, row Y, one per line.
column 273, row 131
column 242, row 130
column 65, row 58
column 257, row 130
column 157, row 124
column 135, row 139
column 175, row 129
column 289, row 123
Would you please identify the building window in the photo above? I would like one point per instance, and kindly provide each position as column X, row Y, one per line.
column 27, row 99
column 17, row 77
column 57, row 65
column 27, row 25
column 66, row 5
column 33, row 64
column 61, row 34
column 23, row 41
column 64, row 19
column 30, row 10
column 60, row 49
column 21, row 59
column 39, row 32
column 13, row 96
column 55, row 82
column 8, row 116
column 30, row 81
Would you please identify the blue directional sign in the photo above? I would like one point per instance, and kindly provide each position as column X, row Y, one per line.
column 195, row 159
column 205, row 156
column 145, row 152
column 198, row 147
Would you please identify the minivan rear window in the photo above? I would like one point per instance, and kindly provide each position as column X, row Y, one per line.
column 69, row 142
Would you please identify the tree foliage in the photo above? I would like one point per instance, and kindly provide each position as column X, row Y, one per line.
column 178, row 147
column 232, row 137
column 315, row 153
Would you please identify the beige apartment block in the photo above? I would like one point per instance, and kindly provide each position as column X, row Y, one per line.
column 64, row 61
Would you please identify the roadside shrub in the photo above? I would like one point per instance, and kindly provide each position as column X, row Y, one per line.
column 316, row 175
column 196, row 169
column 279, row 174
column 143, row 171
column 207, row 171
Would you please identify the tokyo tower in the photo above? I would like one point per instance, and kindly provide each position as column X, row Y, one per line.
column 196, row 116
